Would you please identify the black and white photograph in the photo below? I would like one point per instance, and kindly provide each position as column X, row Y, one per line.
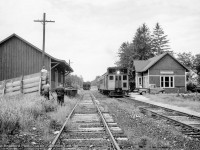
column 99, row 75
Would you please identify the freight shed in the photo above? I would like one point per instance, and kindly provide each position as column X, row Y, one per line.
column 19, row 57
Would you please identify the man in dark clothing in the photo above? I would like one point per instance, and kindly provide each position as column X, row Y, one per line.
column 46, row 90
column 60, row 91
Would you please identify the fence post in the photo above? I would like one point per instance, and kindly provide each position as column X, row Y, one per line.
column 21, row 84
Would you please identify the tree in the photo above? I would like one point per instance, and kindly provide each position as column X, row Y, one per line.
column 125, row 53
column 187, row 59
column 159, row 40
column 197, row 66
column 142, row 43
column 193, row 63
column 74, row 80
column 95, row 81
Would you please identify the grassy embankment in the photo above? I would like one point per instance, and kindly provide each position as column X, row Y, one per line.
column 190, row 101
column 32, row 118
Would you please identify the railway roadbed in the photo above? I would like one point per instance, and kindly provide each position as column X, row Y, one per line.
column 145, row 131
column 90, row 126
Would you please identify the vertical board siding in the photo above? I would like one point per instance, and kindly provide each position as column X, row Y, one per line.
column 167, row 63
column 18, row 58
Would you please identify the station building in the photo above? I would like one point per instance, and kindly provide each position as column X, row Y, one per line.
column 163, row 71
column 19, row 57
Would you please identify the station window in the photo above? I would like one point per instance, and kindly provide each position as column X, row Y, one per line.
column 167, row 81
column 111, row 77
column 124, row 77
column 124, row 85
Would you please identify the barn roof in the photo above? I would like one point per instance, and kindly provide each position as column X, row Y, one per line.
column 144, row 65
column 62, row 62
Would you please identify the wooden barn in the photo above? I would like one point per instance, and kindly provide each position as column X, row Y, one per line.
column 163, row 71
column 19, row 57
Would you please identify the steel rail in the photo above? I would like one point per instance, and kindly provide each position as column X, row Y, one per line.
column 168, row 118
column 106, row 125
column 180, row 112
column 51, row 146
column 168, row 109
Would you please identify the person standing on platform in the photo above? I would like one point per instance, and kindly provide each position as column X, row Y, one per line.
column 44, row 73
column 60, row 91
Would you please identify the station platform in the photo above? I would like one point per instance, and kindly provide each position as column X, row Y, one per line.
column 142, row 98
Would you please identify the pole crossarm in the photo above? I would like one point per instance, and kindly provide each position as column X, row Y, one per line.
column 43, row 21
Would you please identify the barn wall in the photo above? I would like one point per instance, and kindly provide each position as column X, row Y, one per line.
column 18, row 58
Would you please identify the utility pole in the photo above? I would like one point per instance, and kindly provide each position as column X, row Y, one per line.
column 70, row 62
column 44, row 21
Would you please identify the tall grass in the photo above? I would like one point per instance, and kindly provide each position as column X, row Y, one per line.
column 19, row 112
column 62, row 112
column 188, row 101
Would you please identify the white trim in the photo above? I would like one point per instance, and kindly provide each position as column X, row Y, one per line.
column 169, row 81
column 166, row 75
column 148, row 77
column 145, row 76
column 136, row 82
column 166, row 72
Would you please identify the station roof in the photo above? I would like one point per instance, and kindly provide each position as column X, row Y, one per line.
column 144, row 65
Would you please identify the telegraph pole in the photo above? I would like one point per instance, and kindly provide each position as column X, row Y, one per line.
column 70, row 62
column 44, row 21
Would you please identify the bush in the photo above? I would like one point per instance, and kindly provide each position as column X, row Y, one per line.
column 9, row 122
column 191, row 87
column 49, row 106
column 19, row 112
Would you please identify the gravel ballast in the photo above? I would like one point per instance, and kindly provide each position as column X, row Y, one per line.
column 144, row 131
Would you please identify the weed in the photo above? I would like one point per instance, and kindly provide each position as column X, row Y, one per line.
column 49, row 106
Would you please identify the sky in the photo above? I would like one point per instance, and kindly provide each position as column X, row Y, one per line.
column 90, row 32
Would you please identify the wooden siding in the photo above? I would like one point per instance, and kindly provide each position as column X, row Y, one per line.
column 175, row 90
column 18, row 58
column 179, row 81
column 167, row 63
column 154, row 80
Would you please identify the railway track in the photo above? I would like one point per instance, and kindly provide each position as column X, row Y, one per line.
column 90, row 127
column 189, row 124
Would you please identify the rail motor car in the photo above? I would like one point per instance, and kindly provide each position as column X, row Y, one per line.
column 114, row 82
column 86, row 85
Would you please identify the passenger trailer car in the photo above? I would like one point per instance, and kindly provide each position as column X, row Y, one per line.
column 86, row 85
column 114, row 82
